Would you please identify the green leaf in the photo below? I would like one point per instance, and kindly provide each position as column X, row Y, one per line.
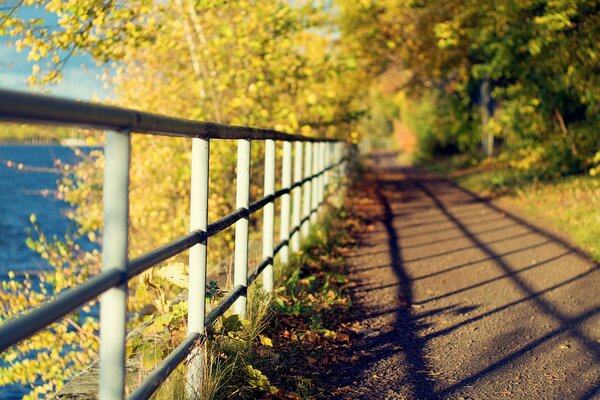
column 30, row 243
column 232, row 323
column 151, row 357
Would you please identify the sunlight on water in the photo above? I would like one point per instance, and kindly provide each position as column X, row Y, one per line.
column 28, row 184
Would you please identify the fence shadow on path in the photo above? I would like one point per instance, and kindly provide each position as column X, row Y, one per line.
column 402, row 337
column 408, row 337
column 567, row 323
column 412, row 345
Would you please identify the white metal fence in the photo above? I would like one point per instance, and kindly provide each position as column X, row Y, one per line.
column 307, row 172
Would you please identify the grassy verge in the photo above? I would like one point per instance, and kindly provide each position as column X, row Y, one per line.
column 287, row 345
column 570, row 204
column 310, row 313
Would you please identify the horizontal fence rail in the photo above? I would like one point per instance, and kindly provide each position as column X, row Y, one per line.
column 306, row 181
column 37, row 109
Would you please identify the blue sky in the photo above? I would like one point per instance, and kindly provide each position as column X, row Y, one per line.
column 81, row 75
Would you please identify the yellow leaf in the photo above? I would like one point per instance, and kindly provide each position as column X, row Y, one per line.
column 174, row 273
column 265, row 341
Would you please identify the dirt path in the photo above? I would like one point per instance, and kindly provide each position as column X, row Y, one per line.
column 462, row 300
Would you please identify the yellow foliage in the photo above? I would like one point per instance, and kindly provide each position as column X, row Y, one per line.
column 528, row 158
column 267, row 64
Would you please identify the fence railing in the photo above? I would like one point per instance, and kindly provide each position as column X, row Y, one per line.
column 316, row 164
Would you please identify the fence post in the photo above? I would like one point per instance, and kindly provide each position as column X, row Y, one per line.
column 328, row 146
column 319, row 180
column 339, row 155
column 315, row 181
column 348, row 152
column 307, row 186
column 113, row 303
column 242, row 200
column 268, row 214
column 286, row 183
column 197, row 259
column 296, row 217
column 322, row 165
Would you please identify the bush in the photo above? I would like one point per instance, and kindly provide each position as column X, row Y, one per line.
column 445, row 125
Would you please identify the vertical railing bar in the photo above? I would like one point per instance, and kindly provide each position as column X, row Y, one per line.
column 346, row 165
column 113, row 303
column 242, row 200
column 315, row 182
column 331, row 172
column 285, row 216
column 327, row 164
column 197, row 259
column 297, row 195
column 320, row 177
column 307, row 188
column 335, row 171
column 321, row 168
column 268, row 214
column 340, row 168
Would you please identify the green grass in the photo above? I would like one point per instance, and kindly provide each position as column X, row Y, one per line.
column 569, row 204
column 308, row 311
column 227, row 358
column 265, row 355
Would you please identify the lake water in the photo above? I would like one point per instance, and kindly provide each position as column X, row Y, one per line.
column 28, row 191
column 24, row 192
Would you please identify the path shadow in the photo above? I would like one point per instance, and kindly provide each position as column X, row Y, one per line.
column 403, row 337
column 413, row 345
column 409, row 324
column 567, row 323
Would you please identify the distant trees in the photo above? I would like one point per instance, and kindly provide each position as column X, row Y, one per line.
column 27, row 133
column 541, row 59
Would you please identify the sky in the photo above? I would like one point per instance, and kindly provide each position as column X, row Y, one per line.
column 80, row 78
column 80, row 75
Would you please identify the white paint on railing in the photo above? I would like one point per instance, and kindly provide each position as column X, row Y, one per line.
column 286, row 182
column 268, row 215
column 338, row 157
column 315, row 182
column 307, row 188
column 297, row 194
column 197, row 258
column 242, row 199
column 321, row 168
column 328, row 154
column 113, row 303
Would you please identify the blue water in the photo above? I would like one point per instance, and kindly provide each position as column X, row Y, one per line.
column 24, row 192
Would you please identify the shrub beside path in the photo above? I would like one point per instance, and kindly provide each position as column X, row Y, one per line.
column 461, row 299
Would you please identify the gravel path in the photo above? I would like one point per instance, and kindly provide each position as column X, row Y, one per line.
column 461, row 299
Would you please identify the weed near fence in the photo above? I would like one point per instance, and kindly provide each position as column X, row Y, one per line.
column 266, row 354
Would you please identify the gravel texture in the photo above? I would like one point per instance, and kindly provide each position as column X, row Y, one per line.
column 461, row 299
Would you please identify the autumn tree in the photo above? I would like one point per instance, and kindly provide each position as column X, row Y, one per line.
column 538, row 59
column 259, row 63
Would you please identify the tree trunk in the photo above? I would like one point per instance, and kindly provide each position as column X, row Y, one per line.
column 487, row 136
